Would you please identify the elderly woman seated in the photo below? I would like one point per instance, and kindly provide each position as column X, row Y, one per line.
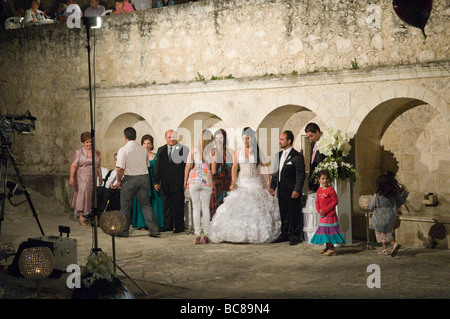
column 34, row 14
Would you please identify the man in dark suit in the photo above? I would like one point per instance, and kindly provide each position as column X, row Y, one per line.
column 288, row 181
column 314, row 134
column 169, row 179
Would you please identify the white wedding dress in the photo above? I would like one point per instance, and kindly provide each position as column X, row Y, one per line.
column 249, row 214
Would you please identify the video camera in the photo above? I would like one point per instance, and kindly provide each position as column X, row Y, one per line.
column 9, row 123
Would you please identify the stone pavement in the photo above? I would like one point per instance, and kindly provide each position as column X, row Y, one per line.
column 173, row 268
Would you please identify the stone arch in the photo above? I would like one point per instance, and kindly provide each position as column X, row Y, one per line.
column 191, row 127
column 413, row 117
column 291, row 117
column 113, row 139
column 305, row 99
column 395, row 92
column 202, row 106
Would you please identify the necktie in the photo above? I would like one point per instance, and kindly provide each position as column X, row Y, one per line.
column 282, row 160
column 314, row 153
column 170, row 154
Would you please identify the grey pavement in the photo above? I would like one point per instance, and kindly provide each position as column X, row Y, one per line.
column 172, row 267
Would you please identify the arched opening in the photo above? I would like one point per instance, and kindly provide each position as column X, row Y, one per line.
column 114, row 138
column 287, row 117
column 191, row 127
column 410, row 138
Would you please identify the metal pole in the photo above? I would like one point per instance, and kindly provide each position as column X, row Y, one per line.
column 94, row 182
column 114, row 252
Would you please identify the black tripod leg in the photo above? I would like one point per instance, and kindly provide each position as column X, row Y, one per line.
column 25, row 191
column 3, row 164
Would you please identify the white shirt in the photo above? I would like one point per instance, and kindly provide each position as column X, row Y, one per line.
column 175, row 147
column 142, row 4
column 133, row 158
column 283, row 159
column 112, row 179
column 30, row 16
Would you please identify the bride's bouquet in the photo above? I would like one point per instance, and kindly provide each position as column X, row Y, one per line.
column 334, row 145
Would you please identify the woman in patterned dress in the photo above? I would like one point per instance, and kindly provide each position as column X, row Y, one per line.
column 81, row 177
column 221, row 170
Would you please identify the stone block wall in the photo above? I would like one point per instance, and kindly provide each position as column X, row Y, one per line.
column 261, row 63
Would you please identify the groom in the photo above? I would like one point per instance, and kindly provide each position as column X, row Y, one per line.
column 288, row 180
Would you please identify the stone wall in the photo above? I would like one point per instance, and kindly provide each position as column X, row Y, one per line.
column 265, row 64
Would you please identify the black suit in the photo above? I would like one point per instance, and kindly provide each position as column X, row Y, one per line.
column 169, row 174
column 319, row 157
column 291, row 179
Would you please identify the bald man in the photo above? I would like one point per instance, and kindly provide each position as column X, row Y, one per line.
column 169, row 180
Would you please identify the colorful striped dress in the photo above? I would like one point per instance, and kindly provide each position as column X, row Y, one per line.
column 328, row 230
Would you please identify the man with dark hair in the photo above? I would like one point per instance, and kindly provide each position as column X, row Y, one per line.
column 94, row 9
column 288, row 180
column 132, row 177
column 314, row 134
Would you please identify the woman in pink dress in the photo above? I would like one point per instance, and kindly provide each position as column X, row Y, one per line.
column 81, row 177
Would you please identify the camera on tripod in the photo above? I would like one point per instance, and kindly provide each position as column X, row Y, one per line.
column 10, row 123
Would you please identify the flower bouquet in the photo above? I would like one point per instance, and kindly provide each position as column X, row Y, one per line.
column 98, row 279
column 334, row 145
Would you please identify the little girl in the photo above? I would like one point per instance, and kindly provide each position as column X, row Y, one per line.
column 328, row 232
column 385, row 203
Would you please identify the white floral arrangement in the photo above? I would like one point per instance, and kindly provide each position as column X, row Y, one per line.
column 99, row 279
column 99, row 266
column 334, row 143
column 335, row 146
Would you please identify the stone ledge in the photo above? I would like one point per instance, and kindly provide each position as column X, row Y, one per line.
column 425, row 219
column 391, row 73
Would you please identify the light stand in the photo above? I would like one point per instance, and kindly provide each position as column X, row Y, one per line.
column 363, row 203
column 95, row 23
column 113, row 223
column 4, row 156
column 106, row 225
column 368, row 244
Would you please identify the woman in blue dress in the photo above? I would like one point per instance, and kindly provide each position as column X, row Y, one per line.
column 138, row 220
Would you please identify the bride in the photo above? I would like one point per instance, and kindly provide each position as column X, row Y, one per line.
column 249, row 214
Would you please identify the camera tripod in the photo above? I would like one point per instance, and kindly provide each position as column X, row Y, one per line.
column 5, row 156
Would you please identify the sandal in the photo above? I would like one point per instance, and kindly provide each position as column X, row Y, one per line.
column 323, row 251
column 384, row 252
column 83, row 221
column 329, row 252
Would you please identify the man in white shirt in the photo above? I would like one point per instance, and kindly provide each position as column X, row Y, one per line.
column 111, row 176
column 94, row 9
column 288, row 180
column 134, row 181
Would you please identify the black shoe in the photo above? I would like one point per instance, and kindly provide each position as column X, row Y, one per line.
column 178, row 230
column 293, row 242
column 157, row 235
column 280, row 240
column 123, row 234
